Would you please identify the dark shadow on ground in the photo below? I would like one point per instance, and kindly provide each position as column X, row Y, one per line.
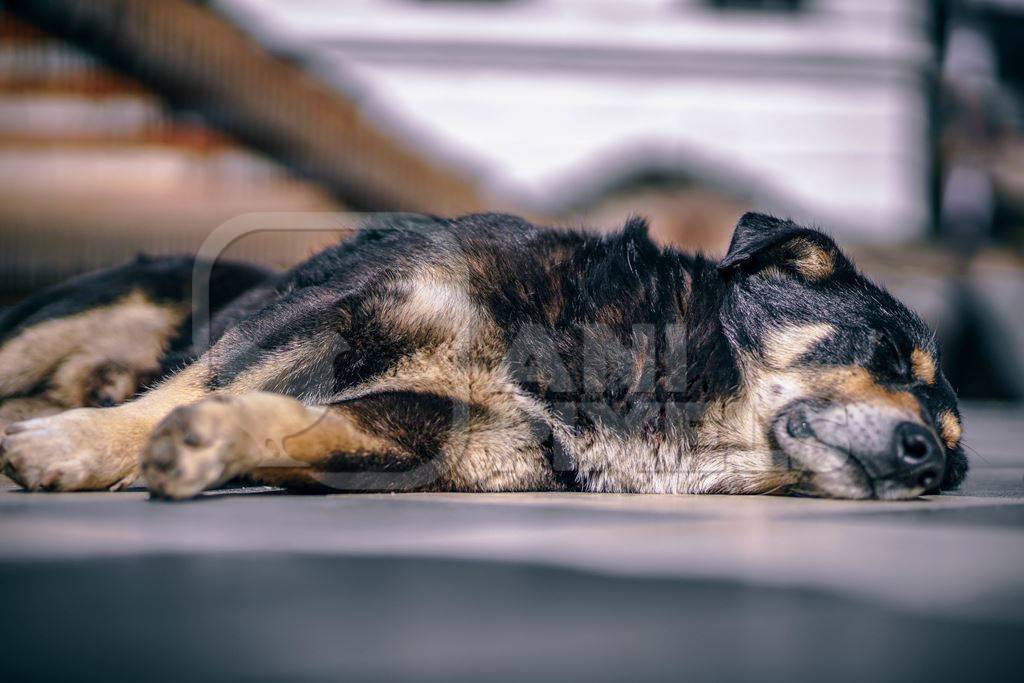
column 271, row 617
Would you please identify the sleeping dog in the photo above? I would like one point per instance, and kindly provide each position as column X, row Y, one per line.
column 484, row 353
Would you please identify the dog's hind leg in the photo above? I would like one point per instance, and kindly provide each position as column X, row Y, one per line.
column 387, row 441
column 98, row 357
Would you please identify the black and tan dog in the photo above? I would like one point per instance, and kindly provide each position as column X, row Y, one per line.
column 486, row 354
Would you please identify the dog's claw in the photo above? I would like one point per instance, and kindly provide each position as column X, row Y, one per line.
column 124, row 483
column 50, row 479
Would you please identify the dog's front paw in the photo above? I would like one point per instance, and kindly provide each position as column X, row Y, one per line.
column 65, row 452
column 195, row 448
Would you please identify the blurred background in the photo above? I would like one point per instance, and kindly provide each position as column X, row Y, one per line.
column 898, row 125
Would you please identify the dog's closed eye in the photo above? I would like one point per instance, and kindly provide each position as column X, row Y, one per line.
column 888, row 361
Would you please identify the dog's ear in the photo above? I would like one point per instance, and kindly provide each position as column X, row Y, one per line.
column 761, row 241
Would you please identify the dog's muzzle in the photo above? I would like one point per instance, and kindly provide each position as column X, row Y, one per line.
column 900, row 457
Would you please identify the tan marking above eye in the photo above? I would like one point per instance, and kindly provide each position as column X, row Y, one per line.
column 923, row 365
column 782, row 346
column 855, row 384
column 950, row 428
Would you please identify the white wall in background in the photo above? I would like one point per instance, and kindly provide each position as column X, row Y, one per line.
column 820, row 112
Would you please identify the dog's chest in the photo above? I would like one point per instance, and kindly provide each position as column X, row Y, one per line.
column 610, row 461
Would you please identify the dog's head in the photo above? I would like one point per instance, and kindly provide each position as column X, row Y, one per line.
column 840, row 382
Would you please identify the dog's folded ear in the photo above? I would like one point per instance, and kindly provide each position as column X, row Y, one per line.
column 761, row 241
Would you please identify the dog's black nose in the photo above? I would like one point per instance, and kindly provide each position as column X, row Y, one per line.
column 914, row 443
column 918, row 455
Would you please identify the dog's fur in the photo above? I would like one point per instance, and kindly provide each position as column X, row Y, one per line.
column 481, row 354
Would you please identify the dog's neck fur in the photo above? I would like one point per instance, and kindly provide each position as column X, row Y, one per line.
column 635, row 284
